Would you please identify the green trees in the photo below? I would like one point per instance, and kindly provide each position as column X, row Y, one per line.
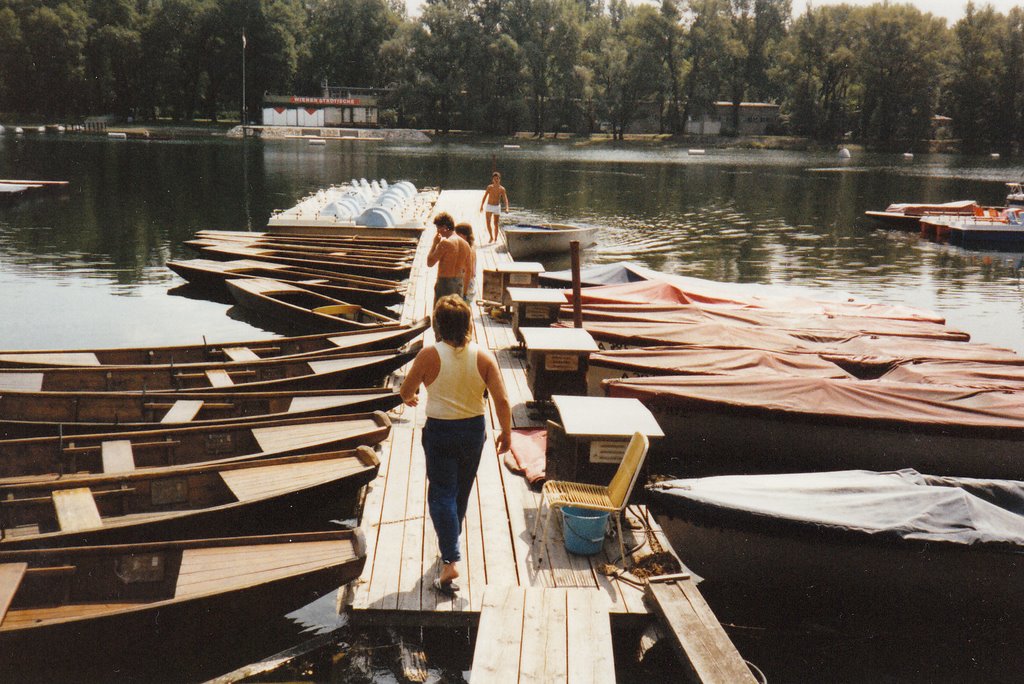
column 874, row 73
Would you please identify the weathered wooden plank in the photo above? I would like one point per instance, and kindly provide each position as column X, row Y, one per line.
column 589, row 638
column 117, row 456
column 219, row 378
column 413, row 582
column 10, row 580
column 496, row 656
column 474, row 573
column 703, row 645
column 183, row 411
column 544, row 637
column 241, row 354
column 76, row 509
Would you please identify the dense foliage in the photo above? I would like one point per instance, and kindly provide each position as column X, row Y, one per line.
column 877, row 74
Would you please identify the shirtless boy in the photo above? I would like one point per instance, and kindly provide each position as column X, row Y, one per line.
column 491, row 202
column 450, row 254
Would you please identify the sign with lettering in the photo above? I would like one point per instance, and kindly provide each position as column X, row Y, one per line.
column 561, row 362
column 605, row 451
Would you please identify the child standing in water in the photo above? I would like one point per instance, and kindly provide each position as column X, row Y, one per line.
column 491, row 203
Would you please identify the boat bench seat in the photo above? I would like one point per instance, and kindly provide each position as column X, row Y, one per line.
column 183, row 411
column 76, row 509
column 117, row 456
column 11, row 575
column 240, row 354
column 219, row 378
column 344, row 310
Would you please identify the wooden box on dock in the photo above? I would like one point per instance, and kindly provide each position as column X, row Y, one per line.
column 496, row 281
column 534, row 307
column 587, row 442
column 556, row 360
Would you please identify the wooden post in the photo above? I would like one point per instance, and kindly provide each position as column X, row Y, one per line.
column 577, row 306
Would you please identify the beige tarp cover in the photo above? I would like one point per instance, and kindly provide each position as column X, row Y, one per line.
column 965, row 373
column 870, row 400
column 699, row 361
column 802, row 322
column 671, row 289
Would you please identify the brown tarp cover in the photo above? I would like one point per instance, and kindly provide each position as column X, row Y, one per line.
column 672, row 289
column 869, row 400
column 688, row 314
column 964, row 373
column 851, row 351
column 527, row 457
column 701, row 361
column 957, row 207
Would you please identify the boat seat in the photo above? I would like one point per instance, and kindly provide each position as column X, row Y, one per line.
column 240, row 354
column 117, row 456
column 342, row 310
column 219, row 378
column 183, row 411
column 76, row 509
column 11, row 575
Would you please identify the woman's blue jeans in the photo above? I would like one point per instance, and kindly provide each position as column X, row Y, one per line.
column 452, row 449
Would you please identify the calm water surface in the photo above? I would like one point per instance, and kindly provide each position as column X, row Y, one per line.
column 87, row 268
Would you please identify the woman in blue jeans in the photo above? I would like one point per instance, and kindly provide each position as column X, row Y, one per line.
column 455, row 372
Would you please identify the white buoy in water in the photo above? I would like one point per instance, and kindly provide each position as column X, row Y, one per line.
column 511, row 147
column 695, row 151
column 18, row 130
column 317, row 141
column 844, row 153
column 994, row 155
column 908, row 155
column 117, row 135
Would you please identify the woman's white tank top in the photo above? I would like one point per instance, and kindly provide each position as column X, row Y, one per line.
column 458, row 390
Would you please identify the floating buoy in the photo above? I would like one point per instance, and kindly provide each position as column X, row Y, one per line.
column 908, row 155
column 844, row 153
column 511, row 147
column 117, row 136
column 994, row 155
column 18, row 130
column 695, row 152
column 317, row 141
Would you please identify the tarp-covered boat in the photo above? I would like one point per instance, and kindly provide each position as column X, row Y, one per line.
column 602, row 274
column 857, row 539
column 965, row 373
column 772, row 423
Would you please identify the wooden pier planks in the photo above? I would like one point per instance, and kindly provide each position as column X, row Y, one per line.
column 543, row 635
column 697, row 636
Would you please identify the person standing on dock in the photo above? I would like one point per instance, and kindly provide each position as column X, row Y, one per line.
column 450, row 254
column 455, row 372
column 491, row 203
column 465, row 231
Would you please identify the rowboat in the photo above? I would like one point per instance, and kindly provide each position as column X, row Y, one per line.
column 390, row 271
column 387, row 337
column 97, row 613
column 772, row 423
column 247, row 496
column 864, row 356
column 890, row 546
column 547, row 238
column 372, row 254
column 41, row 414
column 115, row 452
column 359, row 369
column 211, row 275
column 301, row 308
column 904, row 216
column 339, row 240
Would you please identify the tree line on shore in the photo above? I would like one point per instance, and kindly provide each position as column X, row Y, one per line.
column 875, row 74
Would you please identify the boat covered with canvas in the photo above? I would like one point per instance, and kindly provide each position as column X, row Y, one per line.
column 526, row 240
column 894, row 545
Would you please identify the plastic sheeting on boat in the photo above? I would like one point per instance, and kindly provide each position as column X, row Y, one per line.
column 592, row 276
column 874, row 402
column 798, row 323
column 901, row 504
column 677, row 361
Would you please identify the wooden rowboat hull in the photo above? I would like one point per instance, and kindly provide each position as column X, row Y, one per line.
column 547, row 238
column 221, row 498
column 120, row 451
column 340, row 265
column 388, row 337
column 361, row 369
column 301, row 308
column 42, row 414
column 157, row 607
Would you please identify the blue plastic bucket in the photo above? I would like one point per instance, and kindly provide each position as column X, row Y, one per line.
column 583, row 530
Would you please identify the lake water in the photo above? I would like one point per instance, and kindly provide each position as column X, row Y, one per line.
column 86, row 268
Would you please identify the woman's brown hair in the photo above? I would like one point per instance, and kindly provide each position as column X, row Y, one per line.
column 465, row 231
column 451, row 320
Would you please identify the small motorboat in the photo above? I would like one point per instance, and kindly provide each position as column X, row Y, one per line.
column 896, row 545
column 524, row 240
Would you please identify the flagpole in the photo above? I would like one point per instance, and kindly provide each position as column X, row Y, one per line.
column 245, row 117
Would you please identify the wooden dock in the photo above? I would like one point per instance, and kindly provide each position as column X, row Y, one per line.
column 504, row 571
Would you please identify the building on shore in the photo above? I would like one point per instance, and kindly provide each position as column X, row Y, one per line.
column 337, row 106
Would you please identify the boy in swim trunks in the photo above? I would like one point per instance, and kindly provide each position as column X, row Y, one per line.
column 491, row 203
